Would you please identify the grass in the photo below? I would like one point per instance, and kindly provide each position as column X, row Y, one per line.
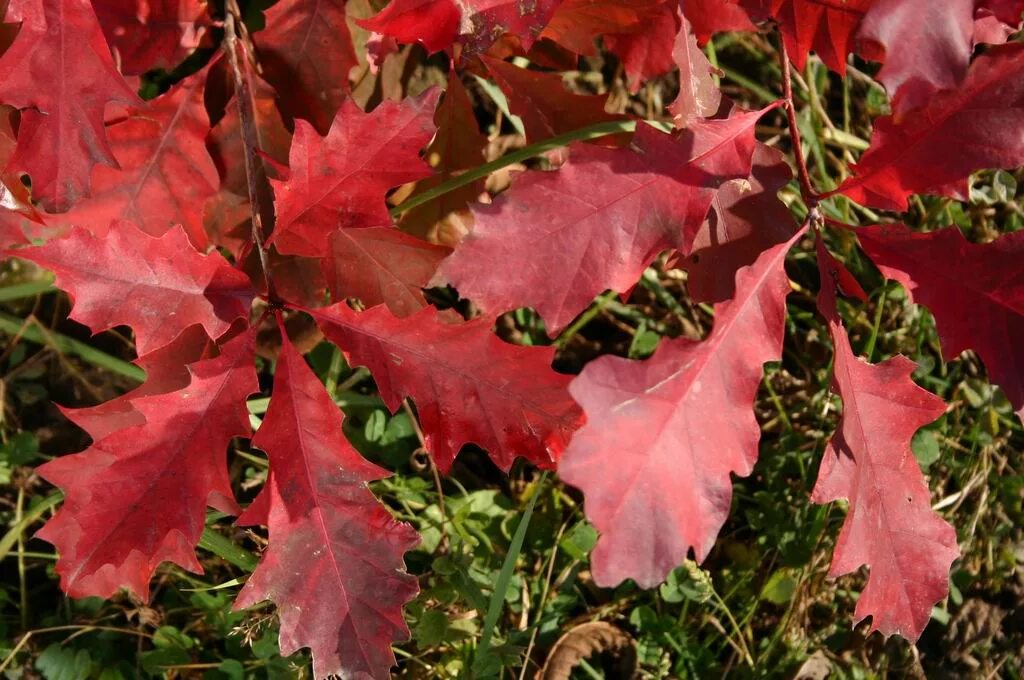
column 503, row 565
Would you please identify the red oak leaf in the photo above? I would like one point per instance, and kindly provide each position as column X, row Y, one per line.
column 712, row 16
column 890, row 526
column 166, row 371
column 148, row 34
column 653, row 196
column 746, row 218
column 982, row 120
column 673, row 428
column 306, row 52
column 158, row 286
column 647, row 54
column 346, row 601
column 437, row 24
column 15, row 201
column 138, row 497
column 975, row 292
column 61, row 135
column 918, row 63
column 166, row 172
column 381, row 265
column 546, row 108
column 825, row 26
column 699, row 96
column 468, row 385
column 339, row 181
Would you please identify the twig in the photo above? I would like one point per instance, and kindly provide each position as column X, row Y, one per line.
column 807, row 192
column 243, row 99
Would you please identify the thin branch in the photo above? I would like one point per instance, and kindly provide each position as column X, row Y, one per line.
column 807, row 192
column 243, row 99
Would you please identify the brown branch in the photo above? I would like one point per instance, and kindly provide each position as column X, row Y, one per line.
column 243, row 99
column 807, row 191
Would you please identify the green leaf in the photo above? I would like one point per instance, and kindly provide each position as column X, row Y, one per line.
column 64, row 663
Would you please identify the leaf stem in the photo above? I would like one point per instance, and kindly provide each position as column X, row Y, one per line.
column 244, row 101
column 807, row 191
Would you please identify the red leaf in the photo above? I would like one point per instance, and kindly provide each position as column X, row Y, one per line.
column 981, row 120
column 339, row 181
column 713, row 16
column 166, row 371
column 469, row 386
column 918, row 63
column 61, row 136
column 307, row 53
column 673, row 428
column 890, row 526
column 166, row 173
column 138, row 497
column 825, row 26
column 746, row 218
column 648, row 53
column 545, row 106
column 381, row 265
column 345, row 603
column 150, row 34
column 652, row 197
column 436, row 24
column 974, row 291
column 699, row 96
column 158, row 286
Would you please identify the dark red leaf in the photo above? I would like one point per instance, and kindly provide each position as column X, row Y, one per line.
column 468, row 386
column 148, row 34
column 345, row 603
column 138, row 497
column 61, row 135
column 974, row 291
column 825, row 26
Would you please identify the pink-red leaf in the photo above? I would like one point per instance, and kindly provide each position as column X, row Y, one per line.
column 664, row 435
column 138, row 497
column 981, row 121
column 345, row 603
column 975, row 292
column 158, row 286
column 339, row 181
column 712, row 16
column 890, row 526
column 61, row 135
column 468, row 386
column 553, row 243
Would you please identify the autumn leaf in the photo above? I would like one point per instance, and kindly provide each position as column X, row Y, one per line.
column 158, row 286
column 981, row 120
column 345, row 604
column 62, row 134
column 339, row 181
column 653, row 196
column 890, row 525
column 148, row 34
column 825, row 26
column 674, row 428
column 469, row 387
column 138, row 497
column 974, row 291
